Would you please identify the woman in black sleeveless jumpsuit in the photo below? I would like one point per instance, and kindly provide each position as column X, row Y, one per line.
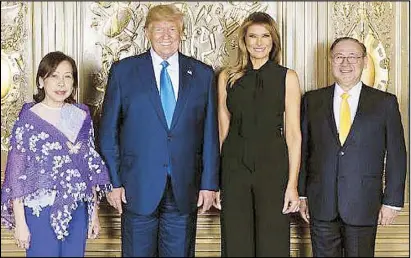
column 255, row 165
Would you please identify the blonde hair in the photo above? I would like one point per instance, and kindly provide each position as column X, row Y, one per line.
column 238, row 70
column 164, row 13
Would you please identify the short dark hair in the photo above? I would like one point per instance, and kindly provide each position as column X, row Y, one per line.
column 338, row 40
column 47, row 66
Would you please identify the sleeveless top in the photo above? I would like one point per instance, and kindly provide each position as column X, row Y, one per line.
column 256, row 103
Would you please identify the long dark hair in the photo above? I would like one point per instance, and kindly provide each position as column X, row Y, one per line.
column 261, row 18
column 47, row 66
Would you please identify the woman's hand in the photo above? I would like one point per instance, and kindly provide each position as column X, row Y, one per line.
column 94, row 228
column 291, row 200
column 21, row 231
column 22, row 235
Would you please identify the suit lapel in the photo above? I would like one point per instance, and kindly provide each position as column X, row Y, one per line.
column 362, row 105
column 329, row 107
column 186, row 74
column 149, row 79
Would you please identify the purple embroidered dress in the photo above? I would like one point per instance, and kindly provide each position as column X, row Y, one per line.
column 43, row 162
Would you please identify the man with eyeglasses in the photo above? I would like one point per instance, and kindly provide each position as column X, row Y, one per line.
column 351, row 134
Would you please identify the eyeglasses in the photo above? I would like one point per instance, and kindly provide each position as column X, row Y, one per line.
column 350, row 59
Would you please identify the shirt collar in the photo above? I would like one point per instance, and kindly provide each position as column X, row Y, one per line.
column 354, row 91
column 157, row 60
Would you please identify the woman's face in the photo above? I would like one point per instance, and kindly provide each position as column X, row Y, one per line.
column 258, row 41
column 58, row 85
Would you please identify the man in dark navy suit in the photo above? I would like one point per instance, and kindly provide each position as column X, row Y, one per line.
column 351, row 134
column 159, row 138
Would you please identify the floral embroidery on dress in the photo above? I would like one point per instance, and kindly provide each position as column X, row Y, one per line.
column 73, row 148
column 45, row 169
column 39, row 199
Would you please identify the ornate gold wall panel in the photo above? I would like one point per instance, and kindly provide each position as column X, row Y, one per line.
column 368, row 22
column 96, row 34
column 13, row 65
column 209, row 34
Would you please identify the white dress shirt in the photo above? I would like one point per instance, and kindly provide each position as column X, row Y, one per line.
column 172, row 69
column 353, row 101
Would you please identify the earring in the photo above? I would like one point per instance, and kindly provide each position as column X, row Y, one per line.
column 41, row 83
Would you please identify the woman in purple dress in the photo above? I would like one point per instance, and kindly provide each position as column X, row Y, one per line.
column 54, row 177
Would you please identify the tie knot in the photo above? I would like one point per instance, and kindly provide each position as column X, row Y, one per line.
column 345, row 96
column 165, row 64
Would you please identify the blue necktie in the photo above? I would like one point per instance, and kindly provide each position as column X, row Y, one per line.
column 168, row 99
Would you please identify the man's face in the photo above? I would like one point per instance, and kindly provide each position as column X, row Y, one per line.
column 164, row 37
column 347, row 63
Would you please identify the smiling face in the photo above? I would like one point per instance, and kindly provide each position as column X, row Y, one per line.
column 58, row 85
column 347, row 63
column 164, row 37
column 258, row 42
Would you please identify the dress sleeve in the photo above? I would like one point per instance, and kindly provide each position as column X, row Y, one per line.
column 98, row 172
column 15, row 174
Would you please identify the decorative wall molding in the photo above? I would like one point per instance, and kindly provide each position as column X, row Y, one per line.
column 369, row 22
column 209, row 34
column 14, row 40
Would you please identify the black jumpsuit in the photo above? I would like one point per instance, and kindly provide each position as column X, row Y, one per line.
column 254, row 166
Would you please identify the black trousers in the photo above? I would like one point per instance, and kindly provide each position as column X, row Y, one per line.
column 252, row 224
column 337, row 239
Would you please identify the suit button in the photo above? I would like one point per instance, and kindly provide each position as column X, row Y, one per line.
column 165, row 165
column 169, row 138
column 342, row 153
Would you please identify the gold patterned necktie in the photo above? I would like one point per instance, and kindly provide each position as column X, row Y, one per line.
column 345, row 118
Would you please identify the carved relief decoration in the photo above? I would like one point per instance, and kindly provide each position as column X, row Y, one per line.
column 13, row 64
column 209, row 33
column 370, row 23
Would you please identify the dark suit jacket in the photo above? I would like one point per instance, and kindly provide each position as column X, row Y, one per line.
column 348, row 180
column 137, row 144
